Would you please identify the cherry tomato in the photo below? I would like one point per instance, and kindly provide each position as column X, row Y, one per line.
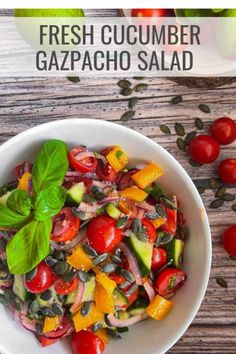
column 171, row 219
column 65, row 226
column 43, row 279
column 224, row 130
column 150, row 229
column 159, row 258
column 129, row 208
column 105, row 172
column 168, row 281
column 86, row 342
column 227, row 171
column 229, row 240
column 44, row 341
column 149, row 13
column 65, row 287
column 204, row 149
column 126, row 180
column 80, row 162
column 103, row 234
column 130, row 296
column 117, row 278
column 62, row 331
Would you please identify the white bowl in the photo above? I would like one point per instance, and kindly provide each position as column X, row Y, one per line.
column 149, row 337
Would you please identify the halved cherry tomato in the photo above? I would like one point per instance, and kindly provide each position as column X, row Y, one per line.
column 159, row 258
column 227, row 171
column 65, row 226
column 82, row 163
column 204, row 149
column 126, row 180
column 131, row 297
column 129, row 208
column 65, row 287
column 87, row 342
column 150, row 229
column 149, row 13
column 44, row 341
column 105, row 172
column 169, row 281
column 224, row 130
column 43, row 279
column 229, row 240
column 103, row 234
column 117, row 278
column 171, row 219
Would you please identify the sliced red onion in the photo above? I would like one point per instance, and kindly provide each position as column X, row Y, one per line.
column 126, row 323
column 73, row 174
column 27, row 323
column 141, row 213
column 78, row 298
column 127, row 232
column 145, row 206
column 108, row 200
column 24, row 167
column 60, row 227
column 149, row 289
column 71, row 244
column 84, row 155
column 16, row 315
column 103, row 184
column 88, row 208
column 133, row 264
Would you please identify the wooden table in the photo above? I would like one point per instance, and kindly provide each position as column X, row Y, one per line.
column 28, row 102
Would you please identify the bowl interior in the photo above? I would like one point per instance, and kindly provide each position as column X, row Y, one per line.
column 149, row 337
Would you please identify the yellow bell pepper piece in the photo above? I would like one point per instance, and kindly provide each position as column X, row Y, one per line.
column 82, row 322
column 117, row 158
column 80, row 260
column 51, row 323
column 107, row 283
column 134, row 193
column 158, row 222
column 147, row 175
column 23, row 182
column 104, row 301
column 102, row 334
column 159, row 307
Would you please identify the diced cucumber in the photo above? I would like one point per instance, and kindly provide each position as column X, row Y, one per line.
column 75, row 194
column 89, row 290
column 138, row 307
column 143, row 253
column 4, row 198
column 19, row 288
column 70, row 299
column 123, row 315
column 175, row 251
column 112, row 211
column 120, row 299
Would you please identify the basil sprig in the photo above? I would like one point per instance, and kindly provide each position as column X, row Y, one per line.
column 31, row 244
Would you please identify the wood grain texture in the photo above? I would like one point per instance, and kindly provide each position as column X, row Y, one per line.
column 28, row 102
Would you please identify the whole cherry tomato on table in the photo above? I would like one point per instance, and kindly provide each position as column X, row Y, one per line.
column 149, row 229
column 227, row 171
column 229, row 240
column 87, row 342
column 65, row 226
column 103, row 234
column 224, row 130
column 204, row 149
column 159, row 258
column 149, row 13
column 169, row 281
column 81, row 160
column 43, row 279
column 65, row 287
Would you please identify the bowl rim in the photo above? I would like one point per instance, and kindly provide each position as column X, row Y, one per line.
column 207, row 232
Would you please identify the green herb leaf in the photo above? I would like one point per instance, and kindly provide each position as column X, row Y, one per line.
column 49, row 202
column 9, row 218
column 29, row 247
column 20, row 202
column 50, row 166
column 157, row 191
column 119, row 153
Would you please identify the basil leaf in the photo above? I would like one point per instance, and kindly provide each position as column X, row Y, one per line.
column 19, row 201
column 10, row 219
column 50, row 165
column 29, row 247
column 49, row 202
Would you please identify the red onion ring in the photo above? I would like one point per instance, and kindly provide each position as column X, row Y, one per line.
column 84, row 155
column 60, row 227
column 78, row 298
column 145, row 206
column 133, row 264
column 64, row 330
column 149, row 289
column 126, row 323
column 27, row 323
column 71, row 244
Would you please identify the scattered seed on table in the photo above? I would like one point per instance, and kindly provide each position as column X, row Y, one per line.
column 227, row 197
column 73, row 79
column 201, row 190
column 213, row 183
column 233, row 207
column 216, row 203
column 204, row 108
column 220, row 192
column 176, row 99
column 140, row 87
column 127, row 116
column 126, row 92
column 165, row 129
column 179, row 128
column 132, row 103
column 198, row 123
column 124, row 84
column 189, row 137
column 181, row 144
column 222, row 282
column 138, row 77
column 195, row 163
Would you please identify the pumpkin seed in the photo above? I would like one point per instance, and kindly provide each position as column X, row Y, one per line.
column 213, row 184
column 132, row 103
column 204, row 108
column 126, row 91
column 50, row 261
column 46, row 295
column 96, row 327
column 98, row 192
column 161, row 211
column 70, row 275
column 73, row 79
column 167, row 203
column 89, row 250
column 113, row 333
column 220, row 192
column 18, row 303
column 181, row 144
column 9, row 295
column 176, row 99
column 85, row 223
column 57, row 309
column 136, row 226
column 127, row 116
column 222, row 282
column 143, row 236
column 30, row 275
column 227, row 197
column 118, row 252
column 88, row 198
column 79, row 214
column 140, row 87
column 2, row 245
column 216, row 203
column 39, row 328
column 233, row 207
column 83, row 276
column 100, row 259
column 47, row 311
column 127, row 275
column 138, row 77
column 179, row 128
column 124, row 285
column 109, row 268
column 163, row 238
column 165, row 129
column 152, row 215
column 61, row 298
column 189, row 137
column 195, row 163
column 58, row 255
column 198, row 123
column 132, row 289
column 34, row 307
column 86, row 308
column 60, row 267
column 115, row 259
column 201, row 190
column 122, row 222
column 124, row 84
column 3, row 300
column 5, row 274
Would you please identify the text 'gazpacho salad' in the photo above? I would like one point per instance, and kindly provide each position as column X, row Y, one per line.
column 88, row 246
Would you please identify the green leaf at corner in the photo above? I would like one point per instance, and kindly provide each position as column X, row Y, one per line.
column 10, row 219
column 49, row 202
column 50, row 165
column 19, row 201
column 29, row 247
